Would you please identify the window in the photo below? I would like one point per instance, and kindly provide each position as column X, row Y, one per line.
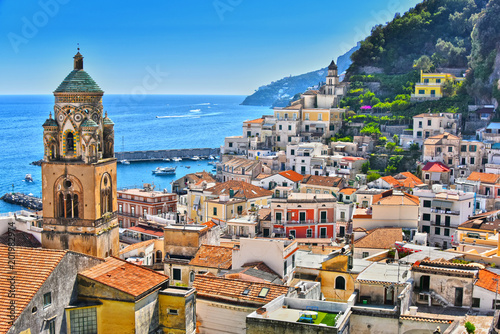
column 476, row 302
column 446, row 232
column 420, row 123
column 450, row 148
column 429, row 122
column 83, row 321
column 472, row 148
column 47, row 299
column 427, row 204
column 285, row 267
column 292, row 152
column 281, row 127
column 426, row 229
column 463, row 148
column 419, row 134
column 472, row 161
column 215, row 211
column 263, row 293
column 120, row 208
column 421, row 91
column 144, row 212
column 293, row 261
column 307, row 117
column 463, row 162
column 497, row 306
column 173, row 311
column 51, row 326
column 437, row 230
column 240, row 209
column 320, row 117
column 309, row 233
column 278, row 138
column 365, row 254
column 292, row 233
column 426, row 217
column 120, row 223
column 438, row 80
column 447, row 221
column 249, row 133
column 245, row 292
column 450, row 161
column 132, row 211
column 289, row 139
column 342, row 214
column 340, row 283
column 438, row 150
column 289, row 128
column 177, row 274
column 322, row 232
column 438, row 220
column 427, row 176
column 230, row 144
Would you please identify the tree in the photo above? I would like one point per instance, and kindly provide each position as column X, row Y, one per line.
column 365, row 167
column 395, row 139
column 390, row 146
column 390, row 170
column 469, row 327
column 372, row 176
column 423, row 63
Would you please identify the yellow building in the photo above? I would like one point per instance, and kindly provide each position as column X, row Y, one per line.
column 119, row 297
column 431, row 84
column 225, row 201
column 337, row 279
column 79, row 170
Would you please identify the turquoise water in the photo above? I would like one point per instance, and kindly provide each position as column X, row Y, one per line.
column 185, row 121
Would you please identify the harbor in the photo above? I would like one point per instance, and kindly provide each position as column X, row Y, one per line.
column 160, row 155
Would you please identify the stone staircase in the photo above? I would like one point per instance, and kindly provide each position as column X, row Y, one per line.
column 440, row 299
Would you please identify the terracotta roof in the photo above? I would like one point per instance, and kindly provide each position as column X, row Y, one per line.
column 265, row 214
column 213, row 257
column 33, row 266
column 353, row 158
column 424, row 319
column 396, row 199
column 483, row 222
column 325, row 181
column 348, row 191
column 296, row 106
column 311, row 92
column 380, row 238
column 138, row 245
column 147, row 230
column 22, row 238
column 125, row 276
column 262, row 176
column 210, row 224
column 240, row 189
column 292, row 175
column 259, row 266
column 483, row 177
column 256, row 121
column 409, row 181
column 392, row 181
column 486, row 281
column 237, row 291
column 435, row 166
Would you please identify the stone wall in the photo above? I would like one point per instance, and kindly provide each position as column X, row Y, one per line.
column 162, row 154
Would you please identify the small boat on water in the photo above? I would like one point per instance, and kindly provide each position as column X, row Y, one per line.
column 164, row 170
column 188, row 167
column 212, row 163
column 211, row 157
column 176, row 159
column 28, row 178
column 125, row 162
column 195, row 158
column 166, row 159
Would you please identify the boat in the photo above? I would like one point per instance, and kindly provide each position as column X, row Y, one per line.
column 28, row 178
column 164, row 170
column 188, row 167
column 212, row 163
column 166, row 159
column 125, row 162
column 211, row 157
column 176, row 159
column 214, row 169
column 195, row 158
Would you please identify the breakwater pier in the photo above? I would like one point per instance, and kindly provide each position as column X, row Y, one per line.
column 155, row 155
column 27, row 201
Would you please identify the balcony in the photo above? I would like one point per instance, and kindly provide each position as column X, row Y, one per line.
column 301, row 222
column 446, row 212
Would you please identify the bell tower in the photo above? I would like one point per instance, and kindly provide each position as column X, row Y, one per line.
column 79, row 170
column 332, row 79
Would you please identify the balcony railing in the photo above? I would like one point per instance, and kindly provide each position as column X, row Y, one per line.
column 446, row 212
column 302, row 222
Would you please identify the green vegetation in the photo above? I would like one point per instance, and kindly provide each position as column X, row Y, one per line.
column 365, row 167
column 469, row 327
column 372, row 176
column 371, row 129
column 439, row 29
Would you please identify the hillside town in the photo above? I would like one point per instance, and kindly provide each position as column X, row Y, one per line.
column 290, row 235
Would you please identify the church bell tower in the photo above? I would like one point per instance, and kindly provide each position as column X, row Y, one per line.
column 79, row 170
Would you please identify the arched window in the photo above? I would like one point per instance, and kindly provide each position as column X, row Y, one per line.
column 68, row 197
column 53, row 151
column 158, row 256
column 70, row 143
column 106, row 194
column 191, row 276
column 340, row 283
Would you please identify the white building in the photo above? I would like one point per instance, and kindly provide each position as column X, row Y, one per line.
column 442, row 211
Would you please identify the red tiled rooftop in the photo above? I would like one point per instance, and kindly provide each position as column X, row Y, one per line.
column 256, row 121
column 380, row 238
column 213, row 257
column 225, row 289
column 33, row 266
column 125, row 276
column 486, row 280
column 240, row 189
column 435, row 166
column 147, row 230
column 483, row 177
column 292, row 175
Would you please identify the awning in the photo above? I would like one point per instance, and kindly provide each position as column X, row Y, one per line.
column 196, row 200
column 441, row 204
column 435, row 176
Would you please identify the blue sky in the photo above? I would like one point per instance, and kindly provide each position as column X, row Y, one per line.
column 178, row 47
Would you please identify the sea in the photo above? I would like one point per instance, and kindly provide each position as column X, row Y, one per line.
column 142, row 122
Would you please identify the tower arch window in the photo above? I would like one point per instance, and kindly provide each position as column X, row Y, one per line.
column 70, row 143
column 106, row 194
column 68, row 197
